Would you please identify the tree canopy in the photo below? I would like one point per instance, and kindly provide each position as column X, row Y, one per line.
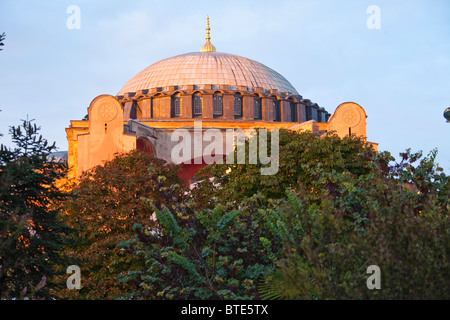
column 31, row 230
column 107, row 202
column 334, row 208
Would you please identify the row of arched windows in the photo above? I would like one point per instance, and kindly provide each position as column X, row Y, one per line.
column 197, row 107
column 297, row 111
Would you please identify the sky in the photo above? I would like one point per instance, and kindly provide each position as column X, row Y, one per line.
column 391, row 57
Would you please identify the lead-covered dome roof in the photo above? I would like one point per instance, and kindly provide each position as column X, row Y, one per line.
column 208, row 68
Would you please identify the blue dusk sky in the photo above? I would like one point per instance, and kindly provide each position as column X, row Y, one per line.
column 397, row 70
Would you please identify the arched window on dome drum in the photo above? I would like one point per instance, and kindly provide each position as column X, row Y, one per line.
column 314, row 114
column 276, row 110
column 308, row 113
column 176, row 105
column 302, row 112
column 257, row 111
column 293, row 105
column 196, row 104
column 237, row 106
column 320, row 116
column 311, row 113
column 217, row 104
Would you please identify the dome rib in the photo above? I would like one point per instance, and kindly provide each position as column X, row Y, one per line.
column 204, row 68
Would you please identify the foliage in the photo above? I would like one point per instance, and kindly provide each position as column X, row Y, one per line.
column 298, row 153
column 193, row 253
column 334, row 208
column 367, row 220
column 106, row 204
column 425, row 178
column 31, row 230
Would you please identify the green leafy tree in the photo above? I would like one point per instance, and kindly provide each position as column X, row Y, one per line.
column 218, row 245
column 31, row 229
column 346, row 207
column 298, row 152
column 310, row 232
column 194, row 253
column 368, row 220
column 107, row 203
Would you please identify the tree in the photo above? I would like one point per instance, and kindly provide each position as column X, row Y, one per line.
column 107, row 203
column 221, row 242
column 194, row 253
column 298, row 152
column 332, row 238
column 31, row 229
column 334, row 208
column 310, row 232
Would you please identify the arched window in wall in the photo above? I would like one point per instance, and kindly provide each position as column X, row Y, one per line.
column 302, row 112
column 237, row 106
column 311, row 113
column 257, row 110
column 320, row 116
column 217, row 104
column 196, row 104
column 314, row 114
column 133, row 111
column 308, row 113
column 294, row 113
column 156, row 106
column 144, row 145
column 176, row 105
column 276, row 109
column 130, row 110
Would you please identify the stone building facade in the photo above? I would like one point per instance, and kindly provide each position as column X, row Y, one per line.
column 220, row 90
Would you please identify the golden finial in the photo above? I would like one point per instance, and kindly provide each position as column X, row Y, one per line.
column 208, row 47
column 207, row 29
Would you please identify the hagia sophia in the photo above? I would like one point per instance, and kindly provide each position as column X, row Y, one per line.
column 222, row 90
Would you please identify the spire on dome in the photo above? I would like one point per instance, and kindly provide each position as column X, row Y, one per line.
column 208, row 47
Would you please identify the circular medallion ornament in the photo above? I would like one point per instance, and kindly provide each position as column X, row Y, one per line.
column 351, row 117
column 107, row 112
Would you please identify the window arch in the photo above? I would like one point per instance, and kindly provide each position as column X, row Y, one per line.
column 176, row 105
column 237, row 105
column 156, row 105
column 143, row 144
column 197, row 106
column 294, row 113
column 276, row 109
column 217, row 104
column 257, row 110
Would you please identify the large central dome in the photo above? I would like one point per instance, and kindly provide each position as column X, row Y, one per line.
column 208, row 68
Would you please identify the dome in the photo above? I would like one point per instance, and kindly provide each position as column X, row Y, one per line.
column 207, row 68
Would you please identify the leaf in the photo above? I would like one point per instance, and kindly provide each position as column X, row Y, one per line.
column 185, row 264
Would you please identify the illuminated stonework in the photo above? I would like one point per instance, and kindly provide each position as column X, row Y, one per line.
column 107, row 112
column 350, row 117
column 222, row 90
